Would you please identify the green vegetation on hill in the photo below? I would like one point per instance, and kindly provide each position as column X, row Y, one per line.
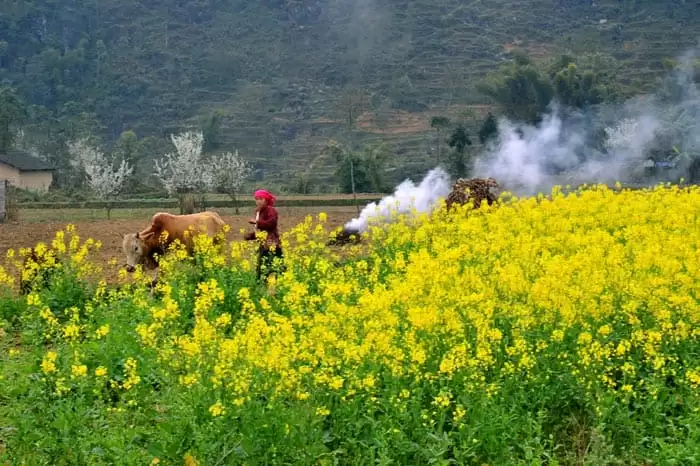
column 283, row 73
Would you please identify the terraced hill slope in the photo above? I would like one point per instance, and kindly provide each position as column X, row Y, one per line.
column 282, row 70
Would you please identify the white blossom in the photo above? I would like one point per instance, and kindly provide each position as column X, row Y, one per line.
column 184, row 170
column 102, row 177
column 623, row 134
column 83, row 153
column 228, row 172
column 105, row 180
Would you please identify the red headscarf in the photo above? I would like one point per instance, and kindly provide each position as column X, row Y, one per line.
column 261, row 193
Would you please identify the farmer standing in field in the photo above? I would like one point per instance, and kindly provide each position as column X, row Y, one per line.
column 270, row 251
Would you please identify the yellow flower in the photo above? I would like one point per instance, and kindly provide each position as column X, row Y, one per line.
column 459, row 413
column 132, row 377
column 189, row 379
column 217, row 409
column 190, row 460
column 102, row 331
column 223, row 320
column 79, row 370
column 71, row 331
column 101, row 371
column 465, row 302
column 48, row 364
column 693, row 377
column 443, row 400
column 61, row 387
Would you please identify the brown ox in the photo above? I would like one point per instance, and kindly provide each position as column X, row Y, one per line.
column 141, row 247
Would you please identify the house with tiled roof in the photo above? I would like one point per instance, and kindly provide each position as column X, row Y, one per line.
column 25, row 171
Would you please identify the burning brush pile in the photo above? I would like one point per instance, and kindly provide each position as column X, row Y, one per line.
column 422, row 198
column 475, row 189
column 345, row 236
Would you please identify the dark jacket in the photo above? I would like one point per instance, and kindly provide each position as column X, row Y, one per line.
column 267, row 221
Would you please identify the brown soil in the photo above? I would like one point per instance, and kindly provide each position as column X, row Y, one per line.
column 17, row 236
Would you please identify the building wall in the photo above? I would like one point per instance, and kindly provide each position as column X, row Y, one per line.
column 32, row 181
column 10, row 174
column 36, row 181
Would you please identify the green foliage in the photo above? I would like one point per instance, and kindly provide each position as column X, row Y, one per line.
column 211, row 128
column 352, row 174
column 11, row 113
column 458, row 141
column 141, row 407
column 439, row 122
column 274, row 68
column 519, row 89
column 127, row 147
column 488, row 130
column 374, row 158
column 358, row 171
column 524, row 91
column 583, row 85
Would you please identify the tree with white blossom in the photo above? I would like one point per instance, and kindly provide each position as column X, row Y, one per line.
column 623, row 134
column 104, row 178
column 629, row 142
column 184, row 171
column 82, row 152
column 229, row 171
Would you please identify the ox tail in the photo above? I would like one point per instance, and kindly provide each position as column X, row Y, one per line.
column 217, row 218
column 220, row 236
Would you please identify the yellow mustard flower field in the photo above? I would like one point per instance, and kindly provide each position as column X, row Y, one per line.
column 558, row 329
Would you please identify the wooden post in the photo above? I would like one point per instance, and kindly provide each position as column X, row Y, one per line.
column 3, row 208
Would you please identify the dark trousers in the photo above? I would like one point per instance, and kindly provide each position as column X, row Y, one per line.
column 269, row 262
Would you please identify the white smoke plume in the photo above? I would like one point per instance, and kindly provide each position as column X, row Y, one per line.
column 407, row 196
column 604, row 145
column 528, row 159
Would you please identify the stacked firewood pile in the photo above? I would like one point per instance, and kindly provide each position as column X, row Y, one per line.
column 478, row 190
column 344, row 236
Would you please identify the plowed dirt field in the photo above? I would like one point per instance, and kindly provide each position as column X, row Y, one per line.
column 25, row 235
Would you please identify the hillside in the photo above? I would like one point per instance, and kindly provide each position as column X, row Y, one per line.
column 283, row 71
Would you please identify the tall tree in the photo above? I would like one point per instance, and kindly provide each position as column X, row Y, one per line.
column 439, row 124
column 458, row 141
column 211, row 129
column 104, row 178
column 12, row 112
column 229, row 172
column 373, row 158
column 488, row 130
column 350, row 170
column 183, row 172
column 352, row 103
column 520, row 89
column 127, row 149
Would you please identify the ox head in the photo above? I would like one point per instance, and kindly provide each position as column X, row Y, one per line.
column 134, row 248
